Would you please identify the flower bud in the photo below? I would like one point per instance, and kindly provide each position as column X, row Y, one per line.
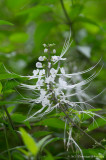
column 54, row 51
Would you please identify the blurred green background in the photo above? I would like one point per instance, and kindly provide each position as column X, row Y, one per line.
column 50, row 21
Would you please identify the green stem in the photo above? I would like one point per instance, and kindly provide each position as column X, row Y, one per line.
column 8, row 115
column 65, row 12
column 5, row 133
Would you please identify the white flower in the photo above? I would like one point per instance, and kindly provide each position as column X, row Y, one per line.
column 53, row 71
column 42, row 72
column 41, row 58
column 45, row 102
column 35, row 72
column 44, row 45
column 54, row 51
column 49, row 65
column 42, row 93
column 45, row 50
column 39, row 82
column 62, row 83
column 55, row 58
column 49, row 79
column 39, row 65
column 62, row 70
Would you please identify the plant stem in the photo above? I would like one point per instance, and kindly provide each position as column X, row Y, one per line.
column 8, row 115
column 65, row 12
column 68, row 117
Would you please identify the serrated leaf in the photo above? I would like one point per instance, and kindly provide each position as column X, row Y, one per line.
column 29, row 142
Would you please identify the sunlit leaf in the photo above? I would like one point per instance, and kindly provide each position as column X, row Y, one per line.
column 29, row 142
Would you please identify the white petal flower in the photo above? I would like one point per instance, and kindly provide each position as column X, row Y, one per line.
column 39, row 65
column 45, row 102
column 62, row 71
column 53, row 71
column 45, row 50
column 49, row 79
column 41, row 72
column 54, row 51
column 44, row 45
column 41, row 58
column 62, row 83
column 42, row 94
column 35, row 72
column 55, row 58
column 39, row 82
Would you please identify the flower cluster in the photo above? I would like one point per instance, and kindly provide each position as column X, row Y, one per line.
column 52, row 82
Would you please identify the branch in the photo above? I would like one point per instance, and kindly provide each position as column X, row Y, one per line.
column 65, row 12
column 68, row 117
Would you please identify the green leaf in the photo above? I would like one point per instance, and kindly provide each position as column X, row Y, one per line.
column 52, row 122
column 3, row 22
column 18, row 4
column 10, row 102
column 49, row 156
column 0, row 87
column 42, row 141
column 10, row 109
column 49, row 141
column 96, row 152
column 19, row 37
column 29, row 142
column 5, row 74
column 86, row 20
column 41, row 134
column 98, row 123
column 19, row 118
column 23, row 151
column 35, row 12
